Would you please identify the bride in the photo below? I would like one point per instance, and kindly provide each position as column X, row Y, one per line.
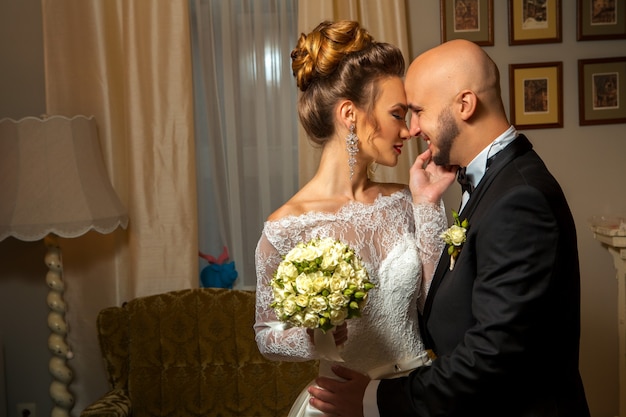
column 353, row 105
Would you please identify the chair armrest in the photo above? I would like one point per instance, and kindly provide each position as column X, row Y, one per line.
column 114, row 403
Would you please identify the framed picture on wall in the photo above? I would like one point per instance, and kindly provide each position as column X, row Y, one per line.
column 600, row 19
column 534, row 21
column 536, row 96
column 602, row 91
column 467, row 19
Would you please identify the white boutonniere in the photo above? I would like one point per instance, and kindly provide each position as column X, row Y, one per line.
column 455, row 237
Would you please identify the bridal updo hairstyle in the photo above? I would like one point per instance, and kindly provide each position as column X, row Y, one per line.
column 339, row 60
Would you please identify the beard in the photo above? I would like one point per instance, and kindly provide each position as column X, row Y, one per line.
column 448, row 132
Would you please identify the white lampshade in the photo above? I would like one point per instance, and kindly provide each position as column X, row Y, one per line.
column 53, row 183
column 53, row 179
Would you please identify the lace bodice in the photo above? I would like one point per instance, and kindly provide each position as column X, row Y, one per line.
column 395, row 239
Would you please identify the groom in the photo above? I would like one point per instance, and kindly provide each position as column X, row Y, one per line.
column 504, row 321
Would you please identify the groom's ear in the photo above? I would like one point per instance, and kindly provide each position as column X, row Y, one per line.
column 466, row 102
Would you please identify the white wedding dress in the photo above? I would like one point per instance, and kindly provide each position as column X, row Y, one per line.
column 394, row 238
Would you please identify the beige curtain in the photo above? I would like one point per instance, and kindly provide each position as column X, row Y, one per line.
column 129, row 64
column 387, row 21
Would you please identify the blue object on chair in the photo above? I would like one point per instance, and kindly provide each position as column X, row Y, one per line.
column 218, row 273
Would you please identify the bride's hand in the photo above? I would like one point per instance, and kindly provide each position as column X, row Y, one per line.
column 340, row 334
column 427, row 180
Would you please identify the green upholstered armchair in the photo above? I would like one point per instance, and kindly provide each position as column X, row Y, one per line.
column 192, row 353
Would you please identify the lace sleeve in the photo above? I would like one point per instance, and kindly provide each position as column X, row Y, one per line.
column 274, row 339
column 430, row 222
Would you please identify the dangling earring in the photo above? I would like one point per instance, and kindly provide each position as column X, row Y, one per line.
column 352, row 147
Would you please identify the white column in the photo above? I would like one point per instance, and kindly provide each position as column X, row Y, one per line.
column 614, row 239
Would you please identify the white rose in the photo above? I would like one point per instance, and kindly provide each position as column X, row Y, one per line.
column 338, row 282
column 290, row 286
column 310, row 253
column 337, row 317
column 304, row 284
column 337, row 301
column 344, row 269
column 361, row 275
column 310, row 320
column 456, row 235
column 330, row 260
column 326, row 244
column 302, row 300
column 290, row 306
column 287, row 269
column 355, row 281
column 294, row 254
column 317, row 304
column 297, row 319
column 280, row 293
column 318, row 282
column 332, row 256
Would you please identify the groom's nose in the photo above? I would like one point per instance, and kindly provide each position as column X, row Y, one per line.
column 414, row 125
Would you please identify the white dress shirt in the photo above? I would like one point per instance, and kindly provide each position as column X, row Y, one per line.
column 478, row 166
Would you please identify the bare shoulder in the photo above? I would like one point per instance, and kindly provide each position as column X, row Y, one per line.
column 302, row 202
column 309, row 199
column 290, row 208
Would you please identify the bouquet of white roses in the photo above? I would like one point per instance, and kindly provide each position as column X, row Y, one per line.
column 319, row 285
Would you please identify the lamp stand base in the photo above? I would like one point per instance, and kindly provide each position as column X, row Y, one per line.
column 61, row 373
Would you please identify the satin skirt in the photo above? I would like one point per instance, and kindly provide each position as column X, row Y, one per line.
column 302, row 408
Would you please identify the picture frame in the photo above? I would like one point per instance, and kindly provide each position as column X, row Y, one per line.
column 535, row 21
column 602, row 91
column 536, row 95
column 600, row 19
column 467, row 19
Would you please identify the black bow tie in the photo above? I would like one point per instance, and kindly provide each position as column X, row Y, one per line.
column 461, row 177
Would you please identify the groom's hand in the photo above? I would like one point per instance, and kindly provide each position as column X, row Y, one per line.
column 340, row 398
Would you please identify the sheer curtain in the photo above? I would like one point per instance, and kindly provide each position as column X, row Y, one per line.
column 129, row 64
column 387, row 21
column 246, row 122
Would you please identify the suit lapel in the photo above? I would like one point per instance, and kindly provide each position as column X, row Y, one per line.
column 519, row 146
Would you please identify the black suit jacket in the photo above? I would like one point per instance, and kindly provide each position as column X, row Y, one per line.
column 505, row 322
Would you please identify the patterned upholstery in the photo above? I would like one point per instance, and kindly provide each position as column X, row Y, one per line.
column 192, row 353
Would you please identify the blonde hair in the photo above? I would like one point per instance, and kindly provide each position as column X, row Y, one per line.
column 339, row 60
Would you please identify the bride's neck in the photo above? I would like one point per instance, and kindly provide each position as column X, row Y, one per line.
column 333, row 173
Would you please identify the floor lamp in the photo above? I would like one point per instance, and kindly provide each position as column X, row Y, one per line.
column 53, row 182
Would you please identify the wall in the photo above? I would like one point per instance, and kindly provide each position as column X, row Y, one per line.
column 590, row 164
column 588, row 161
column 23, row 290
